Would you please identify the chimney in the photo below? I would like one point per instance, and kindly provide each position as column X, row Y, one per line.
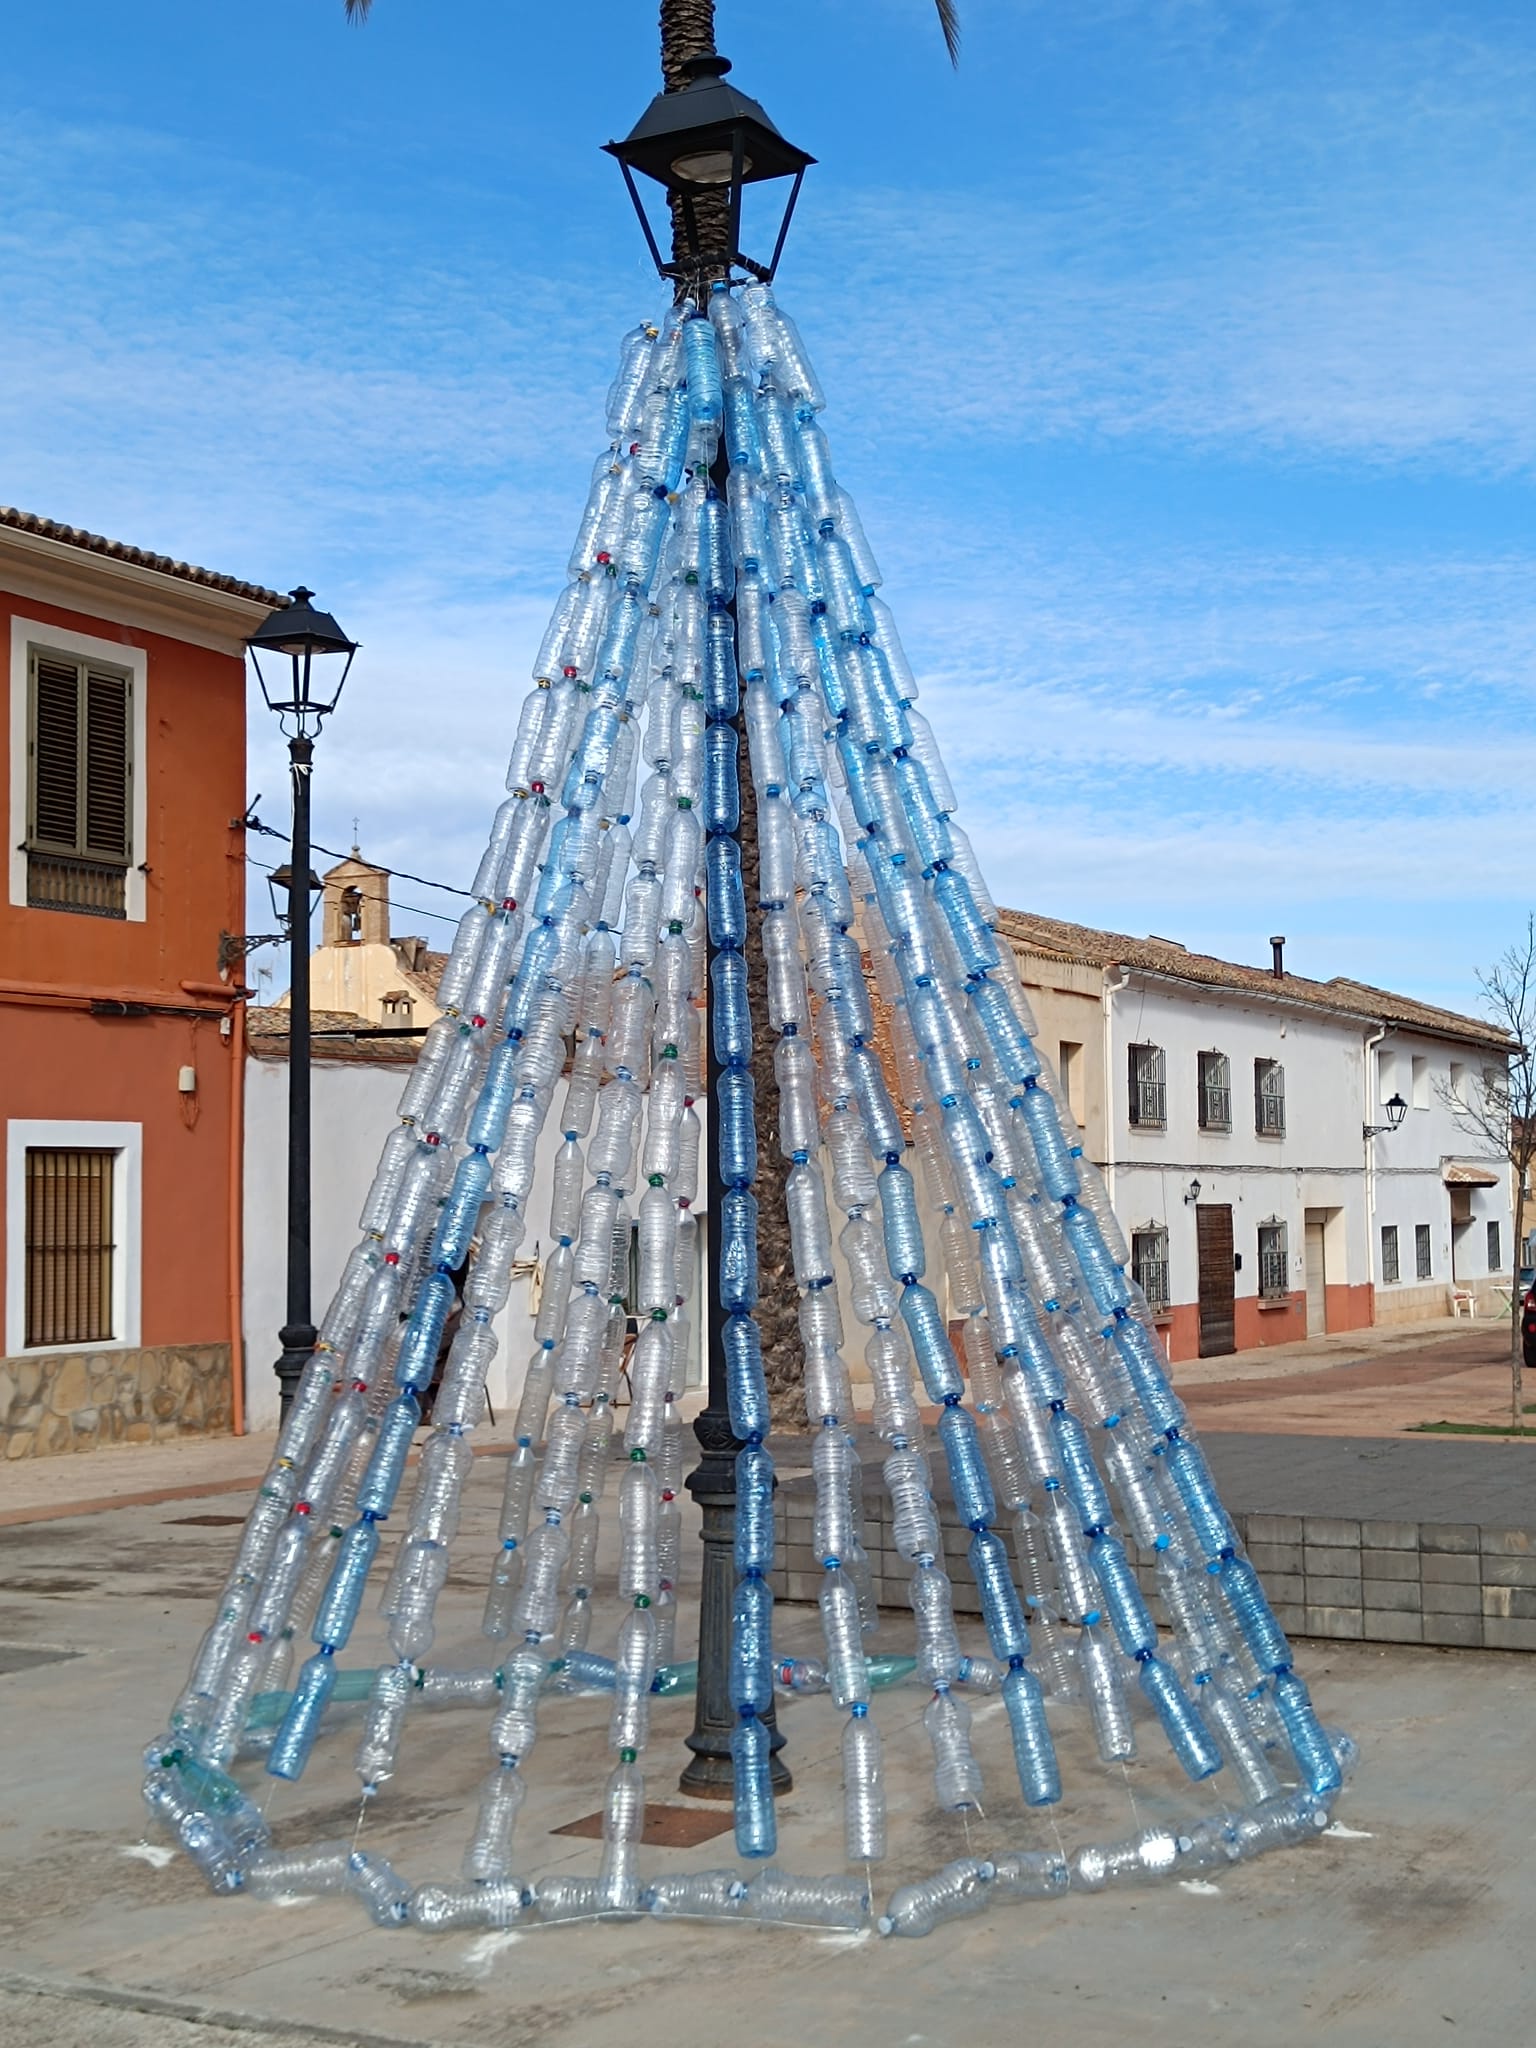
column 1277, row 948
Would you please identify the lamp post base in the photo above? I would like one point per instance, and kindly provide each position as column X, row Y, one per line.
column 298, row 1342
column 708, row 1773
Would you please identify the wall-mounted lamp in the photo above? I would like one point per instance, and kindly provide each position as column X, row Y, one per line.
column 1397, row 1109
column 1192, row 1193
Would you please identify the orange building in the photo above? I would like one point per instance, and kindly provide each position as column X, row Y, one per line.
column 121, row 1032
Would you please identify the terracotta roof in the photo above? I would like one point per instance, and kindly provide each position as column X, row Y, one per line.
column 1053, row 939
column 1457, row 1175
column 141, row 558
column 266, row 1030
column 426, row 972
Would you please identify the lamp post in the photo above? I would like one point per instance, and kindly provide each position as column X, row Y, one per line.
column 302, row 699
column 1396, row 1110
column 703, row 146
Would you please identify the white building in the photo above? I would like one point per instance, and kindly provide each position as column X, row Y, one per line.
column 1229, row 1108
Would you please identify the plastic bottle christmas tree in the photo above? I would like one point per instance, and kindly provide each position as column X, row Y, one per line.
column 722, row 621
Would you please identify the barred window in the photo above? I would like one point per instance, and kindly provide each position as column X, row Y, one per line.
column 1423, row 1262
column 1149, row 1265
column 69, row 1247
column 1274, row 1261
column 79, row 843
column 1148, row 1087
column 1494, row 1261
column 1269, row 1098
column 1215, row 1086
column 1390, row 1271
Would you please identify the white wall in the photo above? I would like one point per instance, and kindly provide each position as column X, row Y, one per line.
column 1317, row 1164
column 353, row 1113
column 1409, row 1176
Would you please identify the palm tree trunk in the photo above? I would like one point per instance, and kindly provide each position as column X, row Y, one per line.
column 688, row 30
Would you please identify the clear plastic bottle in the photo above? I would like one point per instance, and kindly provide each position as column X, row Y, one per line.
column 930, row 1344
column 634, row 1666
column 623, row 1824
column 961, row 1887
column 382, row 1890
column 298, row 1873
column 938, row 1646
column 698, row 1895
column 874, row 1297
column 863, row 1790
column 1146, row 1857
column 914, row 1524
column 387, row 1704
column 452, row 1908
column 751, row 1653
column 842, row 1627
column 639, row 1504
column 832, row 1456
column 754, row 1540
column 1000, row 1604
column 1108, row 1707
column 537, row 1603
column 489, row 1854
column 1123, row 1601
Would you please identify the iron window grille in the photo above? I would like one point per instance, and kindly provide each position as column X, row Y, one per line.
column 1390, row 1270
column 1422, row 1258
column 1494, row 1260
column 1148, row 1087
column 79, row 842
column 69, row 1247
column 1274, row 1262
column 1215, row 1091
column 1149, row 1266
column 1269, row 1098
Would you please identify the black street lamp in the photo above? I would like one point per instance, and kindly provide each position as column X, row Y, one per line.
column 705, row 145
column 303, row 699
column 1396, row 1110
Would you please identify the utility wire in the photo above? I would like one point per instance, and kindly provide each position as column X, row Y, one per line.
column 254, row 824
column 415, row 909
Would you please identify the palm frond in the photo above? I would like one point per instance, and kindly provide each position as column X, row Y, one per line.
column 949, row 21
column 357, row 10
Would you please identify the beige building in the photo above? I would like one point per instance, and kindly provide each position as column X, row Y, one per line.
column 358, row 968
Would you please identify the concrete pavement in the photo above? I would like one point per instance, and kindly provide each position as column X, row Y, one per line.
column 1412, row 1922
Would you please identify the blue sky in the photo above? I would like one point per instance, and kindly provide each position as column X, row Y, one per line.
column 1178, row 353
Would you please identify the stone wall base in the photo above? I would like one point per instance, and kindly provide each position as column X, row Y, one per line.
column 62, row 1401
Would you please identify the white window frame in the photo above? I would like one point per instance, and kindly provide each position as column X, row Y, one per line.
column 32, row 636
column 126, row 1142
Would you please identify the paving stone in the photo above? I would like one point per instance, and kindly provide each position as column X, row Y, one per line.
column 1454, row 1631
column 1509, row 1571
column 1499, row 1634
column 1449, row 1536
column 1450, row 1569
column 1443, row 1599
column 1389, row 1564
column 1391, row 1596
column 1344, row 1624
column 1330, row 1530
column 1323, row 1590
column 1274, row 1529
column 1331, row 1562
column 1275, row 1557
column 1389, row 1535
column 1511, row 1603
column 1284, row 1586
column 1508, row 1542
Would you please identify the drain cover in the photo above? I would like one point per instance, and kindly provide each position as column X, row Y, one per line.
column 16, row 1657
column 204, row 1521
column 666, row 1827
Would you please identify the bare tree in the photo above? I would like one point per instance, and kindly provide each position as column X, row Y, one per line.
column 1500, row 1111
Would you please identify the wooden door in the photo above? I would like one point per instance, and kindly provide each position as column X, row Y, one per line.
column 1317, row 1275
column 1218, row 1329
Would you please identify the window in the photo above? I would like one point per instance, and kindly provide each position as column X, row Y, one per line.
column 1420, row 1081
column 1390, row 1272
column 1269, row 1098
column 1070, row 1067
column 1388, row 1081
column 1149, row 1088
column 1149, row 1265
column 1423, row 1263
column 1215, row 1082
column 1459, row 1083
column 69, row 1246
column 1494, row 1261
column 79, row 829
column 1274, row 1261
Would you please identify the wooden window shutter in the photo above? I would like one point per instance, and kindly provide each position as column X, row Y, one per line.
column 55, row 819
column 107, row 764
